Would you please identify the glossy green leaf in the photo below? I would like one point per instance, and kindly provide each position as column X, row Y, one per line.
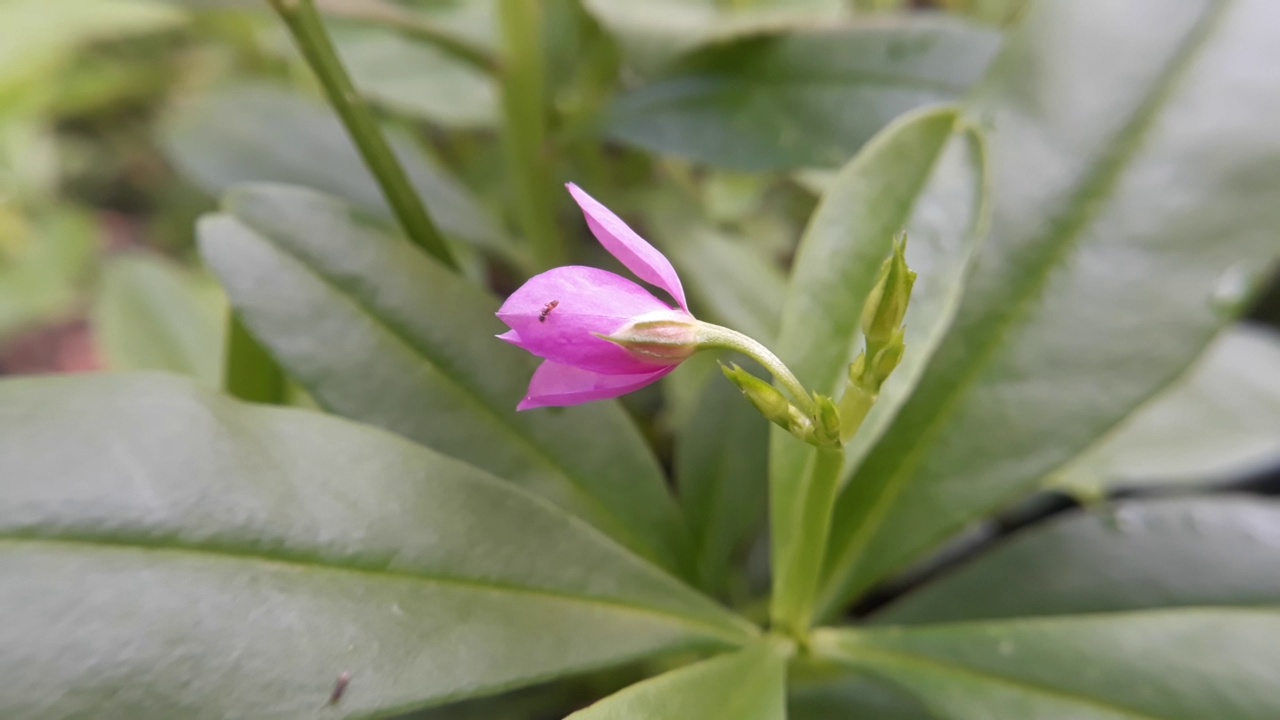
column 1220, row 422
column 747, row 685
column 655, row 32
column 850, row 696
column 1169, row 665
column 151, row 314
column 800, row 97
column 1134, row 174
column 1136, row 555
column 197, row 557
column 721, row 458
column 418, row 79
column 253, row 133
column 378, row 332
column 922, row 174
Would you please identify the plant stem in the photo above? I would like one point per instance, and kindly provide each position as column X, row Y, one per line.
column 798, row 558
column 394, row 17
column 248, row 371
column 716, row 336
column 524, row 128
column 308, row 31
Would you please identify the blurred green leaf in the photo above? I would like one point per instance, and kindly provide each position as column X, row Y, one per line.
column 151, row 314
column 1169, row 665
column 1136, row 555
column 42, row 261
column 652, row 33
column 797, row 98
column 417, row 79
column 36, row 34
column 378, row 332
column 747, row 685
column 1135, row 170
column 198, row 557
column 1222, row 421
column 721, row 460
column 257, row 133
column 850, row 696
column 923, row 174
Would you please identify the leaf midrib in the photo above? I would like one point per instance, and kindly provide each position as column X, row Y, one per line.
column 615, row 527
column 300, row 560
column 901, row 658
column 1083, row 207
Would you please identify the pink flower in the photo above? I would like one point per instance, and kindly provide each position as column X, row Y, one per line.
column 561, row 314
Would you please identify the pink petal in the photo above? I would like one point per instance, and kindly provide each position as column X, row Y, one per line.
column 556, row 385
column 588, row 301
column 631, row 250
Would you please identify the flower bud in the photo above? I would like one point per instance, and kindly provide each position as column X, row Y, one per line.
column 769, row 401
column 886, row 306
column 666, row 340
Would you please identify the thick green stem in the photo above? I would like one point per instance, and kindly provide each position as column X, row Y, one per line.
column 524, row 128
column 308, row 32
column 716, row 336
column 799, row 557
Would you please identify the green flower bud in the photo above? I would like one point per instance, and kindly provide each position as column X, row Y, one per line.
column 888, row 358
column 886, row 306
column 769, row 401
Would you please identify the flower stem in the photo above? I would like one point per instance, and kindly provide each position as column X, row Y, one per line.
column 798, row 556
column 716, row 336
column 308, row 31
column 524, row 128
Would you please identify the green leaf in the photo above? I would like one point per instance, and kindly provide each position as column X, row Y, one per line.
column 1220, row 422
column 1171, row 665
column 721, row 457
column 151, row 314
column 747, row 685
column 199, row 557
column 378, row 332
column 800, row 97
column 923, row 174
column 417, row 79
column 41, row 267
column 1099, row 284
column 248, row 370
column 1137, row 555
column 850, row 696
column 657, row 31
column 256, row 133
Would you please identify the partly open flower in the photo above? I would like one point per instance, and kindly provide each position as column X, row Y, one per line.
column 600, row 334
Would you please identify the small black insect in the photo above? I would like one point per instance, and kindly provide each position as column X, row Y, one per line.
column 340, row 688
column 546, row 310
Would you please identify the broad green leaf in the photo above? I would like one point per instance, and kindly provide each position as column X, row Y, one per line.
column 1169, row 665
column 153, row 315
column 1220, row 422
column 922, row 174
column 721, row 458
column 1136, row 555
column 197, row 557
column 35, row 34
column 376, row 331
column 747, row 685
column 655, row 32
column 800, row 97
column 418, row 79
column 850, row 696
column 1134, row 178
column 42, row 260
column 256, row 133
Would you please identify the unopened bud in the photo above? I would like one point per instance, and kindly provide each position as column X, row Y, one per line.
column 888, row 358
column 769, row 401
column 886, row 306
column 827, row 430
column 660, row 340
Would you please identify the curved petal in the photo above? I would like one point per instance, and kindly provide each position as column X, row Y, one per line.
column 631, row 250
column 587, row 301
column 556, row 385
